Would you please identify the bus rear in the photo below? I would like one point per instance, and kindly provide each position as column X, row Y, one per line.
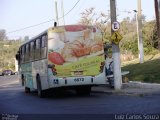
column 75, row 57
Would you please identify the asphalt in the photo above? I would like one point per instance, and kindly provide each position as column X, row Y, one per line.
column 130, row 88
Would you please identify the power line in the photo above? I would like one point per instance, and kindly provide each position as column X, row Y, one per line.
column 45, row 21
column 30, row 26
column 80, row 6
column 70, row 9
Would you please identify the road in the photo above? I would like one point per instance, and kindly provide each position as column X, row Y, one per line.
column 13, row 100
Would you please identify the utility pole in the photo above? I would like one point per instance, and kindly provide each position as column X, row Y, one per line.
column 156, row 5
column 115, row 50
column 139, row 32
column 62, row 9
column 159, row 7
column 56, row 12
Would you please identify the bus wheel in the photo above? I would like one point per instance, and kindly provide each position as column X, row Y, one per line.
column 27, row 90
column 83, row 90
column 22, row 78
column 41, row 92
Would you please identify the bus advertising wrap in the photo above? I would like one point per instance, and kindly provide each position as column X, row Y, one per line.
column 75, row 50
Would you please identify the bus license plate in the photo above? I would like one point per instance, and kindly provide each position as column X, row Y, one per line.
column 79, row 79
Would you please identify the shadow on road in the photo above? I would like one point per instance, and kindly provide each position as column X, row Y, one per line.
column 67, row 94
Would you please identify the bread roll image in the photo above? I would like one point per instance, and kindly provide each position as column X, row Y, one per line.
column 54, row 42
column 88, row 34
column 67, row 54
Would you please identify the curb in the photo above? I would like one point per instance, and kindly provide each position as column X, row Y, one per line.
column 123, row 93
column 133, row 84
column 131, row 88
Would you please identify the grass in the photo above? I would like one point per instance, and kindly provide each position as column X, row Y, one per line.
column 149, row 71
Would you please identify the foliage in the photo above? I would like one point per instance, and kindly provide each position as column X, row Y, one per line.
column 130, row 41
column 100, row 20
column 150, row 34
column 128, row 29
column 2, row 34
column 8, row 49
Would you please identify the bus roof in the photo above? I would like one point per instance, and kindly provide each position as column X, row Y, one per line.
column 34, row 37
column 44, row 32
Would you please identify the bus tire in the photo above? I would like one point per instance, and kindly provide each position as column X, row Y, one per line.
column 27, row 90
column 22, row 78
column 83, row 90
column 41, row 93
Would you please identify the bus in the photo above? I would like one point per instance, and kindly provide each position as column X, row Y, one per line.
column 70, row 57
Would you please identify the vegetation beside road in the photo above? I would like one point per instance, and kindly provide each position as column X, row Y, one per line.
column 8, row 49
column 149, row 71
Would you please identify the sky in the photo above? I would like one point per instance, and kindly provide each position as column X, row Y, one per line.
column 19, row 14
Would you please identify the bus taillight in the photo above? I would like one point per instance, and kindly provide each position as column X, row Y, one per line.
column 101, row 67
column 54, row 71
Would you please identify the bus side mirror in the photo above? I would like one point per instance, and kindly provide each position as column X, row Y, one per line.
column 55, row 24
column 17, row 57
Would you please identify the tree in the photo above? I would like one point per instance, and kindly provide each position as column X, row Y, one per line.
column 8, row 49
column 128, row 30
column 100, row 20
column 2, row 34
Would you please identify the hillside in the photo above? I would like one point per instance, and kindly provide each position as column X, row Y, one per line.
column 8, row 49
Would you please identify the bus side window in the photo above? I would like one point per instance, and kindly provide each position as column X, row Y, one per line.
column 32, row 50
column 20, row 55
column 23, row 53
column 43, row 47
column 27, row 53
column 43, row 42
column 37, row 50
